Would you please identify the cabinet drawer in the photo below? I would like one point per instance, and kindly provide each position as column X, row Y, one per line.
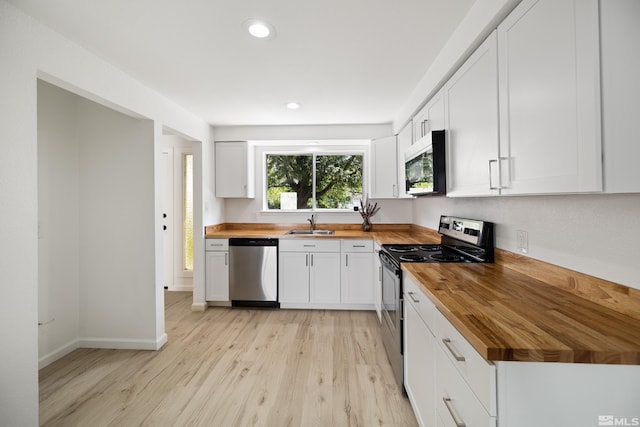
column 309, row 245
column 216, row 244
column 456, row 404
column 416, row 297
column 476, row 371
column 349, row 245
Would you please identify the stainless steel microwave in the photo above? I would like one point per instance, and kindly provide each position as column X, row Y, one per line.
column 425, row 166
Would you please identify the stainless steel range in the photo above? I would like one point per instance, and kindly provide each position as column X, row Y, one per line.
column 462, row 240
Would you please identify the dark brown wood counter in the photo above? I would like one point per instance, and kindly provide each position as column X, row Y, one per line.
column 509, row 316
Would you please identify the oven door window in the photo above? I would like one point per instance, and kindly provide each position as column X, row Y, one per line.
column 391, row 296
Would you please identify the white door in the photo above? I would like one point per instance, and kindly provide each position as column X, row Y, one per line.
column 177, row 181
column 167, row 216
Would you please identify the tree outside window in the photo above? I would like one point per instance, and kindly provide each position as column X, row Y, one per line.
column 337, row 184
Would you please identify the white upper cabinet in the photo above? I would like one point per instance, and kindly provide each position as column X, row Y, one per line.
column 404, row 141
column 384, row 177
column 430, row 117
column 471, row 110
column 234, row 169
column 549, row 85
column 620, row 57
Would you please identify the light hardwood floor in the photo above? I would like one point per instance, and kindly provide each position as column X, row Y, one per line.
column 233, row 367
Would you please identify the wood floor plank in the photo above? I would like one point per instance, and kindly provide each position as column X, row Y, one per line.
column 233, row 367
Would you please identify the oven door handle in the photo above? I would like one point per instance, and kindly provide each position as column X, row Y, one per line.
column 388, row 264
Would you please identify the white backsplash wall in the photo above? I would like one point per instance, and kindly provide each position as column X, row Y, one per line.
column 249, row 210
column 594, row 234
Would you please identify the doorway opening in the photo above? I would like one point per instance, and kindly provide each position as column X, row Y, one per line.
column 178, row 213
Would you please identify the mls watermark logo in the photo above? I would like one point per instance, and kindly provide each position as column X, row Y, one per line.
column 610, row 420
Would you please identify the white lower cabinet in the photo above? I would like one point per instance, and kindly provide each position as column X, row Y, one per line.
column 419, row 355
column 309, row 272
column 450, row 384
column 357, row 272
column 324, row 278
column 326, row 274
column 217, row 270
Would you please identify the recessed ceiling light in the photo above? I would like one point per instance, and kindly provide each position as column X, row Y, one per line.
column 293, row 105
column 259, row 29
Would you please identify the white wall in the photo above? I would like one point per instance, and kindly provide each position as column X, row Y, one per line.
column 594, row 234
column 58, row 223
column 117, row 231
column 29, row 50
column 250, row 210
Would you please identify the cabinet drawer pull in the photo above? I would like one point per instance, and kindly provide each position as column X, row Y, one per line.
column 358, row 246
column 456, row 418
column 309, row 246
column 454, row 353
column 411, row 295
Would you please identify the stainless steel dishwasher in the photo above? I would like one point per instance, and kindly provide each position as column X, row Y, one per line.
column 253, row 272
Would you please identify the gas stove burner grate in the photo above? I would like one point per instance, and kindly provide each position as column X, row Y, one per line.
column 446, row 258
column 430, row 248
column 413, row 258
column 402, row 249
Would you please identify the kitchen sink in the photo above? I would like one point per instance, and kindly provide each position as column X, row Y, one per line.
column 312, row 232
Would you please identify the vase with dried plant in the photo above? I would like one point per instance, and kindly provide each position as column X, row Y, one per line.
column 367, row 210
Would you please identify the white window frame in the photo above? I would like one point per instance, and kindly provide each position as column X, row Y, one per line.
column 314, row 153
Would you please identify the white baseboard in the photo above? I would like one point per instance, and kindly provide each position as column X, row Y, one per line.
column 56, row 354
column 181, row 288
column 199, row 306
column 123, row 343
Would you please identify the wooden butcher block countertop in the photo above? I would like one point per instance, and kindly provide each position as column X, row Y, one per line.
column 518, row 309
column 382, row 233
column 510, row 316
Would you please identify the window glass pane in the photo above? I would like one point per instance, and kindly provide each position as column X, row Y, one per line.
column 187, row 212
column 338, row 181
column 289, row 181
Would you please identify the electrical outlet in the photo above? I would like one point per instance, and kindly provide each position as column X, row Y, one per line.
column 522, row 241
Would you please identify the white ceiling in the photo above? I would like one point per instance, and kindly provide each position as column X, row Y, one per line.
column 345, row 61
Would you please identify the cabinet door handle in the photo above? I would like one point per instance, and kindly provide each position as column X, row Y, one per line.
column 226, row 259
column 491, row 187
column 411, row 295
column 346, row 260
column 456, row 418
column 393, row 190
column 380, row 274
column 454, row 353
column 311, row 260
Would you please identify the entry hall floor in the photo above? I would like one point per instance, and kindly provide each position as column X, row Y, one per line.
column 233, row 367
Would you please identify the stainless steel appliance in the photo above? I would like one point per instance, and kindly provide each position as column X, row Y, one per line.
column 462, row 240
column 253, row 272
column 425, row 166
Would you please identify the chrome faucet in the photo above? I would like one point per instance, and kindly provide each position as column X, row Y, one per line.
column 312, row 223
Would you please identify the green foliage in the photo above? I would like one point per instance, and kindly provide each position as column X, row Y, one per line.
column 338, row 179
